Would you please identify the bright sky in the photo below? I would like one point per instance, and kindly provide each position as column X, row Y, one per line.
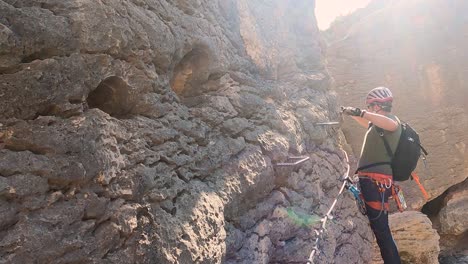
column 327, row 10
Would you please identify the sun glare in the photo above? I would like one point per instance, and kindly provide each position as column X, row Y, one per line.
column 327, row 10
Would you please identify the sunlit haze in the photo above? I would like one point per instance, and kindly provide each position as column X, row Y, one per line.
column 327, row 10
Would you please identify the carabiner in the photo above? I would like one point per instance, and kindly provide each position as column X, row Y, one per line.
column 389, row 184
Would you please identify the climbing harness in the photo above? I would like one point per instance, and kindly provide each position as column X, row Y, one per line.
column 383, row 183
column 354, row 190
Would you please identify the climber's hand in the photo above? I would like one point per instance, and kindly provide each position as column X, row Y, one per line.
column 352, row 111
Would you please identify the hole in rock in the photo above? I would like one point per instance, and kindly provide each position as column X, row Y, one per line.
column 433, row 207
column 192, row 71
column 40, row 55
column 112, row 96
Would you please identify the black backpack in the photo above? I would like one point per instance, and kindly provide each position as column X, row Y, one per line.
column 407, row 153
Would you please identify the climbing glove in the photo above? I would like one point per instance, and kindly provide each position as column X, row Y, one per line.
column 352, row 111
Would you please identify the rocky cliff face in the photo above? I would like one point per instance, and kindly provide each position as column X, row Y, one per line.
column 417, row 49
column 148, row 132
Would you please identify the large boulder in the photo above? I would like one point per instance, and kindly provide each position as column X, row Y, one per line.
column 454, row 214
column 417, row 241
column 452, row 225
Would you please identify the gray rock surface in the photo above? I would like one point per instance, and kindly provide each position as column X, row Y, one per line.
column 147, row 132
column 453, row 215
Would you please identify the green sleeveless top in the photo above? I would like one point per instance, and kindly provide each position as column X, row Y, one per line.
column 373, row 149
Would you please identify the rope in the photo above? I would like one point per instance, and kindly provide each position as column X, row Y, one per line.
column 416, row 179
column 328, row 216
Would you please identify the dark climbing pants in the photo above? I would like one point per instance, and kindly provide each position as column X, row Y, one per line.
column 379, row 220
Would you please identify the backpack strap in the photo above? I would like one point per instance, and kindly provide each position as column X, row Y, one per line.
column 387, row 146
column 372, row 165
column 423, row 150
column 399, row 123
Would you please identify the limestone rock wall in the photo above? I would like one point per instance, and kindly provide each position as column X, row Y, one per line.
column 417, row 49
column 147, row 132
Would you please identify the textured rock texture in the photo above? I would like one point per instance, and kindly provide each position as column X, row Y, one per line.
column 454, row 213
column 147, row 132
column 417, row 49
column 452, row 225
column 417, row 241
